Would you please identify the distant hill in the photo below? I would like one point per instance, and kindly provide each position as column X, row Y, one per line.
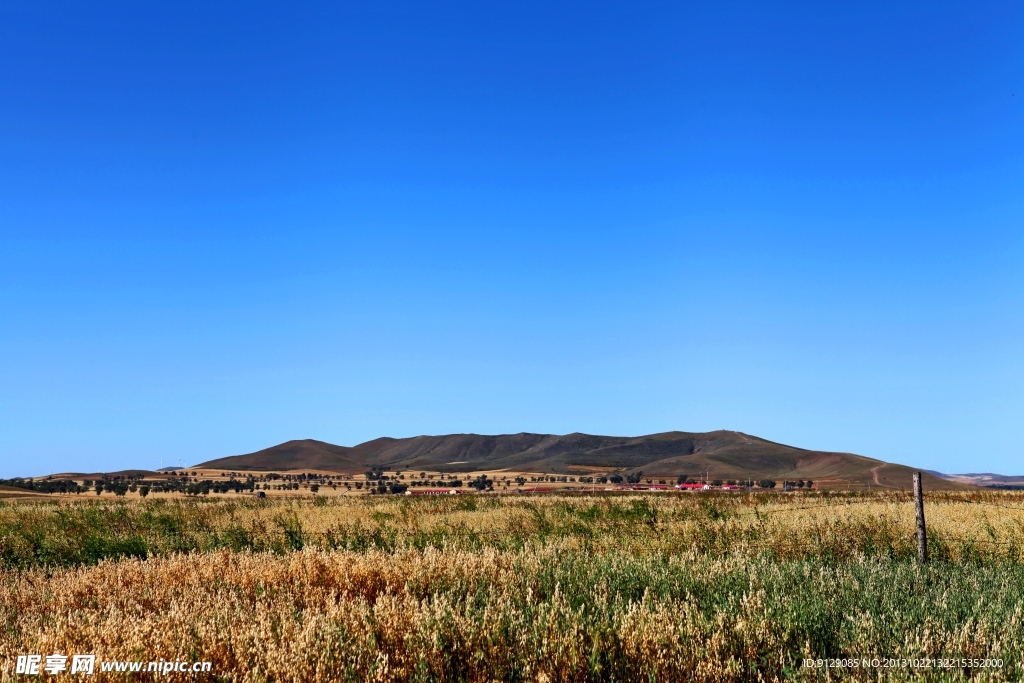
column 291, row 455
column 125, row 474
column 988, row 479
column 720, row 454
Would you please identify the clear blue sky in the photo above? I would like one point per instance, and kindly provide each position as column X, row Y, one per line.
column 226, row 227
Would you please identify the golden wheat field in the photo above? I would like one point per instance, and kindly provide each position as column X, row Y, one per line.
column 664, row 587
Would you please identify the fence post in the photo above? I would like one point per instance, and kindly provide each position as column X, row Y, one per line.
column 922, row 539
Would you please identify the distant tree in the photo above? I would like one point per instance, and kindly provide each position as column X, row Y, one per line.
column 615, row 479
column 482, row 483
column 397, row 488
column 520, row 480
column 716, row 482
column 766, row 483
column 143, row 491
column 809, row 483
column 359, row 485
column 314, row 488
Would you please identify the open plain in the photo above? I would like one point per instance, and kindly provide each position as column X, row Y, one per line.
column 581, row 586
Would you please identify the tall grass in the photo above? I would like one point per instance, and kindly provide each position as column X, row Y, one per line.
column 631, row 588
column 962, row 528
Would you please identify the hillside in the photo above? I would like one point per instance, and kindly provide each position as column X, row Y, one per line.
column 301, row 454
column 719, row 454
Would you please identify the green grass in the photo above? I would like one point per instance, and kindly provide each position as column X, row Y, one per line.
column 594, row 588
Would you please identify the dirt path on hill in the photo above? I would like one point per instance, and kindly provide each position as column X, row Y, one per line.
column 874, row 473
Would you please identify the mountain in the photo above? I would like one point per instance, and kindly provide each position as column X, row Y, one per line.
column 291, row 455
column 718, row 455
column 989, row 479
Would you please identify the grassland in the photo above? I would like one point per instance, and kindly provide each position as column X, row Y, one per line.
column 704, row 587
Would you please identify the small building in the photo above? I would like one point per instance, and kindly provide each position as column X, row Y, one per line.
column 694, row 487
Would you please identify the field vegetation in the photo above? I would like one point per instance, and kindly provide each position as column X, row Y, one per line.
column 612, row 587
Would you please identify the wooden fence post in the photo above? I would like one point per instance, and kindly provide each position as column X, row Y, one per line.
column 922, row 539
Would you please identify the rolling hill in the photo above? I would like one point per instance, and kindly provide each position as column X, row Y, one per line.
column 720, row 454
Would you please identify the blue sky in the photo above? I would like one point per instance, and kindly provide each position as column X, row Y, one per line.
column 223, row 227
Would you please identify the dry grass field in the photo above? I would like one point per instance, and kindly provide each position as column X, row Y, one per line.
column 569, row 587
